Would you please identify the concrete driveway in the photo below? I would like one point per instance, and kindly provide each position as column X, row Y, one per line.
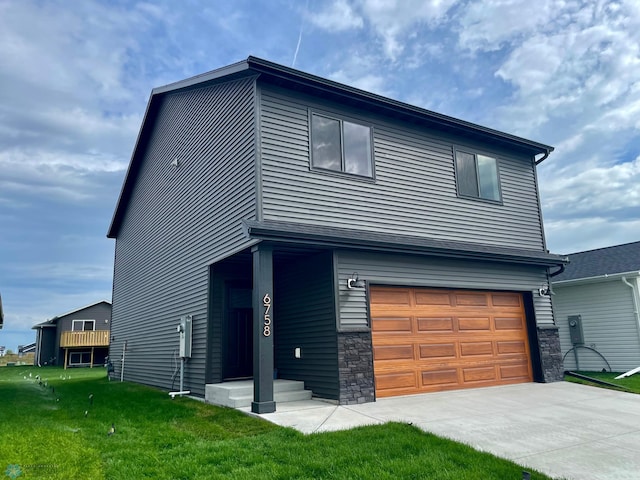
column 563, row 429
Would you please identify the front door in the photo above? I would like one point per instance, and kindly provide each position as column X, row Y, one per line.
column 239, row 340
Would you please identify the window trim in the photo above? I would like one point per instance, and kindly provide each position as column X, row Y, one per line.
column 73, row 324
column 341, row 119
column 475, row 152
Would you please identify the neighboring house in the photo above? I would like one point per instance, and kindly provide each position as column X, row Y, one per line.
column 29, row 348
column 1, row 314
column 320, row 233
column 597, row 308
column 3, row 350
column 79, row 338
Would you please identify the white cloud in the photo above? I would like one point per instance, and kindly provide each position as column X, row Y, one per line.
column 337, row 17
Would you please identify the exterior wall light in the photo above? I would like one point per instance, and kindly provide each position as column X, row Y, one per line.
column 352, row 282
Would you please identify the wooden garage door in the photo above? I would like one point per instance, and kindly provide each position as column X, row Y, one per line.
column 426, row 340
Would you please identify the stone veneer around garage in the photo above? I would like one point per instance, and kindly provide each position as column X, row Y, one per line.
column 550, row 353
column 355, row 367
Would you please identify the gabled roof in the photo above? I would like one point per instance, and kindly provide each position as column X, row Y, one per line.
column 53, row 321
column 290, row 78
column 617, row 259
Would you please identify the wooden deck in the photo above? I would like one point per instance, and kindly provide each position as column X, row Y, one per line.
column 92, row 338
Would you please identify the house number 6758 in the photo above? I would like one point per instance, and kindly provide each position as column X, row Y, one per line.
column 266, row 301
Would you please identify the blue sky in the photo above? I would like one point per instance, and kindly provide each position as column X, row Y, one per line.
column 75, row 78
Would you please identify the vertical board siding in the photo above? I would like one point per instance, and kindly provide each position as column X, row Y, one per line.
column 177, row 221
column 304, row 316
column 608, row 323
column 414, row 191
column 406, row 270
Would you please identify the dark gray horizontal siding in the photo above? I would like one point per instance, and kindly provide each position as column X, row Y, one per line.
column 407, row 270
column 179, row 220
column 608, row 322
column 414, row 190
column 304, row 316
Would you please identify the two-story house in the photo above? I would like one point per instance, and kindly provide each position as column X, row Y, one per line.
column 320, row 233
column 79, row 338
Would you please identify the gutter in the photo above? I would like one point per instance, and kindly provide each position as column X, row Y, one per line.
column 544, row 157
column 596, row 278
column 634, row 294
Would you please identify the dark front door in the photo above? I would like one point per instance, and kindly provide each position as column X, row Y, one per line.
column 239, row 340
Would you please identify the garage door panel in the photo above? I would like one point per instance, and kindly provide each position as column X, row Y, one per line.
column 439, row 378
column 390, row 296
column 438, row 350
column 433, row 340
column 479, row 374
column 393, row 352
column 443, row 324
column 509, row 323
column 506, row 299
column 432, row 298
column 511, row 347
column 471, row 299
column 390, row 325
column 477, row 323
column 396, row 380
column 514, row 371
column 471, row 349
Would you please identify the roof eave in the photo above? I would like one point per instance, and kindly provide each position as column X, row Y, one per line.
column 606, row 277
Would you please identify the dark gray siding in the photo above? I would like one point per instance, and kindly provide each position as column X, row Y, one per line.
column 406, row 270
column 414, row 190
column 100, row 312
column 178, row 221
column 48, row 350
column 304, row 316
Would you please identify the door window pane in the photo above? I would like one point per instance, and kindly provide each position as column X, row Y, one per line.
column 325, row 141
column 357, row 149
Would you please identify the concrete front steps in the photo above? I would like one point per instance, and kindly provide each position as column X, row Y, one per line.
column 238, row 394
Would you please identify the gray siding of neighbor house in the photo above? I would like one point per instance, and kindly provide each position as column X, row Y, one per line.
column 414, row 191
column 406, row 270
column 48, row 348
column 304, row 316
column 608, row 322
column 178, row 221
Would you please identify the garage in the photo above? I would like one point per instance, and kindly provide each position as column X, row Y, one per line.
column 427, row 340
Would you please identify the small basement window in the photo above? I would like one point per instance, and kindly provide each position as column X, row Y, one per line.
column 341, row 146
column 477, row 176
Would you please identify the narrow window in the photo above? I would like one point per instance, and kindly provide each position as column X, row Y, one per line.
column 477, row 176
column 341, row 146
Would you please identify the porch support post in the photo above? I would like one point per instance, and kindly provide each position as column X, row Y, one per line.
column 91, row 357
column 263, row 329
column 66, row 352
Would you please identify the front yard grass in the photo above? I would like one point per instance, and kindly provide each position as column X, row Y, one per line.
column 52, row 430
column 632, row 383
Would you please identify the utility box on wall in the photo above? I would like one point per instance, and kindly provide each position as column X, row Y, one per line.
column 575, row 329
column 185, row 336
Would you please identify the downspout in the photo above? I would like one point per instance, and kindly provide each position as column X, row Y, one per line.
column 38, row 341
column 634, row 294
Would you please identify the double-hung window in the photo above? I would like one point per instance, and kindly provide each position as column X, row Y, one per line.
column 83, row 325
column 477, row 176
column 341, row 146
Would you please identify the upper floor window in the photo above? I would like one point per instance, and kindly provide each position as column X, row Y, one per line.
column 477, row 176
column 341, row 146
column 83, row 325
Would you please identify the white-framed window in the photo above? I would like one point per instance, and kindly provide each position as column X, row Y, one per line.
column 79, row 358
column 341, row 145
column 477, row 176
column 83, row 325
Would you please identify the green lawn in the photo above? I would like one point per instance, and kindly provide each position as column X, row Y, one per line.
column 632, row 383
column 45, row 434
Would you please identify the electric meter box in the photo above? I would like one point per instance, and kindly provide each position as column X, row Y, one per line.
column 185, row 336
column 575, row 329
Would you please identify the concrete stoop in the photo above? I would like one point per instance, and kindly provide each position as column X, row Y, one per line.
column 239, row 393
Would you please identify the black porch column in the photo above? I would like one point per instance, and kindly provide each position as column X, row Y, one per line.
column 262, row 330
